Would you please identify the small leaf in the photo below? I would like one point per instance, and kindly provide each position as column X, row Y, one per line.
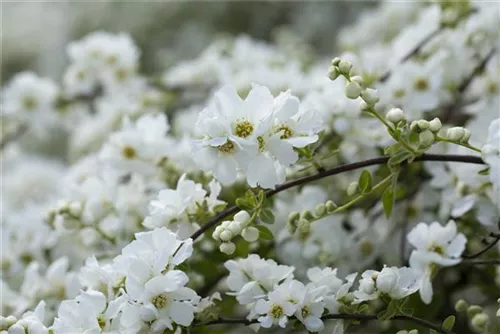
column 267, row 216
column 365, row 182
column 388, row 201
column 391, row 150
column 264, row 232
column 448, row 323
column 250, row 197
column 399, row 157
column 485, row 171
column 243, row 204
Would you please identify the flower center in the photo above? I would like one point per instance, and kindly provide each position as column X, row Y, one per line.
column 305, row 311
column 287, row 132
column 366, row 247
column 121, row 74
column 243, row 129
column 421, row 84
column 436, row 249
column 277, row 311
column 29, row 103
column 129, row 152
column 261, row 142
column 160, row 301
column 101, row 321
column 227, row 147
column 398, row 93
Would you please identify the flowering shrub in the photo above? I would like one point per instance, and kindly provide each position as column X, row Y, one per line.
column 250, row 189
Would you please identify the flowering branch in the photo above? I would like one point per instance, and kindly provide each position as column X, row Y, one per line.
column 346, row 316
column 334, row 171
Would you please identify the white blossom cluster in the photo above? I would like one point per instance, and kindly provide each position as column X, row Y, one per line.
column 123, row 195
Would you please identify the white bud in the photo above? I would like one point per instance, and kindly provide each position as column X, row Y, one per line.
column 358, row 79
column 225, row 224
column 75, row 208
column 320, row 210
column 335, row 61
column 250, row 234
column 426, row 138
column 16, row 329
column 435, row 125
column 367, row 286
column 242, row 217
column 353, row 188
column 387, row 280
column 363, row 106
column 480, row 320
column 216, row 233
column 6, row 322
column 456, row 133
column 227, row 248
column 352, row 90
column 423, row 124
column 333, row 73
column 235, row 227
column 293, row 217
column 345, row 67
column 395, row 115
column 370, row 96
column 466, row 136
column 414, row 126
column 413, row 331
column 226, row 235
column 330, row 206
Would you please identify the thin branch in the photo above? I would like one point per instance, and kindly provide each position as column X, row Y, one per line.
column 483, row 262
column 346, row 316
column 334, row 171
column 477, row 70
column 485, row 249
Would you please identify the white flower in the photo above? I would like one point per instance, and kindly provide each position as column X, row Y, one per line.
column 31, row 322
column 394, row 282
column 282, row 303
column 491, row 155
column 435, row 246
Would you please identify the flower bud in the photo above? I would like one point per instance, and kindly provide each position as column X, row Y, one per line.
column 426, row 138
column 345, row 66
column 250, row 234
column 336, row 61
column 226, row 235
column 395, row 115
column 461, row 306
column 358, row 79
column 16, row 329
column 225, row 224
column 480, row 320
column 330, row 206
column 473, row 310
column 242, row 217
column 387, row 280
column 414, row 126
column 235, row 227
column 307, row 215
column 423, row 124
column 456, row 133
column 466, row 136
column 6, row 322
column 370, row 96
column 352, row 90
column 320, row 210
column 353, row 188
column 333, row 73
column 293, row 217
column 413, row 331
column 216, row 233
column 363, row 106
column 227, row 248
column 367, row 286
column 435, row 125
column 304, row 226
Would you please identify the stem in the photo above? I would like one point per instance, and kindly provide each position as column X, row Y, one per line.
column 485, row 262
column 469, row 146
column 342, row 316
column 334, row 171
column 484, row 250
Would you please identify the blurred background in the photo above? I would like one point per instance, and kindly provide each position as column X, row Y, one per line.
column 34, row 34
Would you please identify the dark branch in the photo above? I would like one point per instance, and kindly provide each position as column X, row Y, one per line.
column 485, row 249
column 334, row 171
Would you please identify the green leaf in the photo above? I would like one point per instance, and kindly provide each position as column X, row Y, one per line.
column 267, row 216
column 399, row 157
column 485, row 171
column 432, row 331
column 250, row 197
column 365, row 182
column 448, row 323
column 391, row 150
column 244, row 204
column 390, row 312
column 388, row 199
column 264, row 232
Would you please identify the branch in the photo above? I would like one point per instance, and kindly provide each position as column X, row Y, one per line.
column 483, row 262
column 485, row 249
column 346, row 316
column 334, row 171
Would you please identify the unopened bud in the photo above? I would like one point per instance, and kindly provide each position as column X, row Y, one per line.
column 413, row 331
column 461, row 306
column 345, row 67
column 395, row 115
column 333, row 73
column 216, row 233
column 352, row 90
column 17, row 329
column 480, row 320
column 414, row 126
column 330, row 206
column 353, row 188
column 358, row 79
column 304, row 226
column 306, row 214
column 227, row 248
column 336, row 61
column 226, row 235
column 370, row 96
column 435, row 125
column 423, row 124
column 235, row 227
column 426, row 138
column 466, row 136
column 320, row 210
column 242, row 217
column 473, row 310
column 293, row 217
column 456, row 133
column 250, row 234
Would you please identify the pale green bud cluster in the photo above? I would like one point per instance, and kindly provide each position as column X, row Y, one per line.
column 228, row 230
column 300, row 222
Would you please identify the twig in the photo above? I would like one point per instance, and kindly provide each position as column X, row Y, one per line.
column 346, row 316
column 485, row 249
column 483, row 262
column 334, row 171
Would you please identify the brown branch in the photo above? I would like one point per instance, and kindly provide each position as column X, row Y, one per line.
column 346, row 316
column 334, row 171
column 485, row 249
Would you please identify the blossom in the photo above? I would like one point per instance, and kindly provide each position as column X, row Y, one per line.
column 491, row 155
column 281, row 305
